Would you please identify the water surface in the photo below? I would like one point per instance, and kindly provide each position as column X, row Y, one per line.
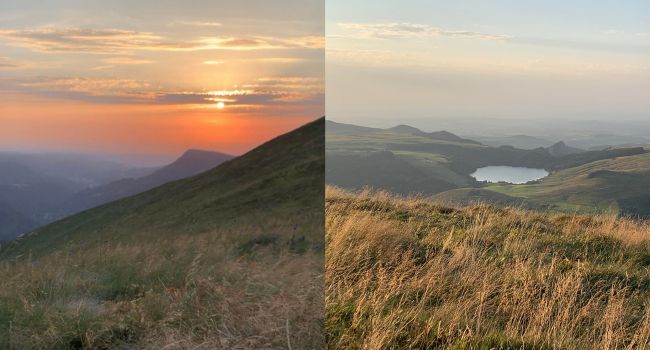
column 509, row 174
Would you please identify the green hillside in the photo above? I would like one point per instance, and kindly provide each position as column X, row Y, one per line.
column 230, row 258
column 619, row 184
column 405, row 160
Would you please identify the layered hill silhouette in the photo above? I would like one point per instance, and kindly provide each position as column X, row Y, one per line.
column 560, row 149
column 282, row 177
column 190, row 163
column 406, row 160
column 37, row 190
column 620, row 184
column 436, row 135
column 230, row 258
column 28, row 198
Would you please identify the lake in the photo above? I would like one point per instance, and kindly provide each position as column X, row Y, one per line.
column 509, row 174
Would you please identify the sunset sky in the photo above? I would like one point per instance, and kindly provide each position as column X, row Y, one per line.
column 150, row 76
column 391, row 61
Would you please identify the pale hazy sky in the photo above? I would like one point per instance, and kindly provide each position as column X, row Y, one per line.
column 391, row 61
column 147, row 76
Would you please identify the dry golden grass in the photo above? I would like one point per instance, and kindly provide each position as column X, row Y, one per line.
column 406, row 273
column 222, row 290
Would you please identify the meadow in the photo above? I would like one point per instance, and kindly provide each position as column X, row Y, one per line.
column 408, row 273
column 237, row 288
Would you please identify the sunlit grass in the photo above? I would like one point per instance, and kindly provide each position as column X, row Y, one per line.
column 218, row 290
column 408, row 273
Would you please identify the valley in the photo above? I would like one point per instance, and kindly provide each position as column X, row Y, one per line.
column 231, row 258
column 40, row 189
column 405, row 160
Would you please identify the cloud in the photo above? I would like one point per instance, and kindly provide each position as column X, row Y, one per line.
column 125, row 60
column 260, row 43
column 423, row 31
column 108, row 66
column 106, row 41
column 611, row 46
column 118, row 41
column 284, row 60
column 212, row 62
column 410, row 30
column 90, row 86
column 81, row 89
column 265, row 91
column 196, row 23
column 7, row 63
column 286, row 91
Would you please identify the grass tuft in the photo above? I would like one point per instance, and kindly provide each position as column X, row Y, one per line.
column 406, row 273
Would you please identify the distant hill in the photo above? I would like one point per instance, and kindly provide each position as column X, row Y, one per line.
column 39, row 190
column 405, row 129
column 229, row 258
column 405, row 160
column 618, row 183
column 83, row 170
column 283, row 176
column 190, row 163
column 436, row 135
column 332, row 127
column 29, row 198
column 381, row 170
column 517, row 141
column 335, row 128
column 34, row 186
column 561, row 149
column 447, row 136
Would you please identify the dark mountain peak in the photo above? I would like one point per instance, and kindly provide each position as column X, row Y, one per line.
column 198, row 159
column 561, row 149
column 200, row 153
column 191, row 163
column 247, row 187
column 333, row 127
column 447, row 136
column 406, row 129
column 443, row 134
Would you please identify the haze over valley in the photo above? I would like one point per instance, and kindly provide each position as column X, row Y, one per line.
column 448, row 168
column 36, row 189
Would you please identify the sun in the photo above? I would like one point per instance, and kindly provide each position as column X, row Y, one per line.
column 220, row 105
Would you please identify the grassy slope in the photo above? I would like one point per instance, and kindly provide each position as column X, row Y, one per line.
column 406, row 273
column 353, row 162
column 404, row 160
column 279, row 179
column 600, row 185
column 469, row 196
column 231, row 258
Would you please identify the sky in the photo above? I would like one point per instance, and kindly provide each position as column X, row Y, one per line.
column 157, row 76
column 424, row 61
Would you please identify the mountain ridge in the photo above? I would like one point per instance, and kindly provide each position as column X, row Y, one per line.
column 251, row 185
column 190, row 163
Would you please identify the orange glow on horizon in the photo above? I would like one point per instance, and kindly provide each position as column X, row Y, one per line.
column 153, row 129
